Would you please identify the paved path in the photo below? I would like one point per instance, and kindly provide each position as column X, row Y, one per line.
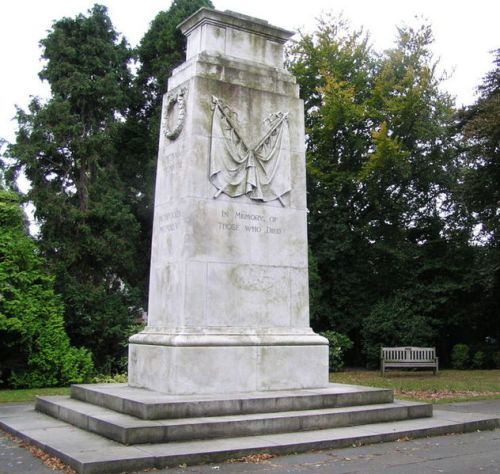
column 470, row 453
column 457, row 454
column 14, row 459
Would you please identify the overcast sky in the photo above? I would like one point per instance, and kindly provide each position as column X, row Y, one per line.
column 465, row 33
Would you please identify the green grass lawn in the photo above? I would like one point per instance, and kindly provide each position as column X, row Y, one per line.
column 447, row 386
column 29, row 394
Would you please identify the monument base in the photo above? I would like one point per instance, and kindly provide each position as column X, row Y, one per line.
column 116, row 428
column 204, row 364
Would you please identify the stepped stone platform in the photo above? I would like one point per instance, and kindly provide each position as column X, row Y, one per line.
column 116, row 428
column 152, row 405
column 138, row 416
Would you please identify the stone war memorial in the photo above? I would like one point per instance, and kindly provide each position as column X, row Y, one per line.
column 228, row 364
column 228, row 298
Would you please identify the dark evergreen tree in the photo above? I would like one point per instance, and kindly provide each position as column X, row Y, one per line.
column 479, row 192
column 67, row 148
column 480, row 125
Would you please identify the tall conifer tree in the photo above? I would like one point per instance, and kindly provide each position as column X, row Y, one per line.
column 66, row 146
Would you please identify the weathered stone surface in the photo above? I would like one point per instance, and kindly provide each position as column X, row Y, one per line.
column 228, row 303
column 151, row 405
column 214, row 363
column 127, row 429
column 234, row 34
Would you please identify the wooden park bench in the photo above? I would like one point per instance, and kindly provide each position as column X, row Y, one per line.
column 408, row 357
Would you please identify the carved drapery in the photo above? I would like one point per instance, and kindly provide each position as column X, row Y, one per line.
column 260, row 171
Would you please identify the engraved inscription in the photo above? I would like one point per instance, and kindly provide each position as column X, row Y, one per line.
column 232, row 227
column 253, row 228
column 240, row 221
column 273, row 230
column 250, row 217
column 169, row 221
column 171, row 162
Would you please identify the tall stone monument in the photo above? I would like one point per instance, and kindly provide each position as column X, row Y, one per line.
column 228, row 297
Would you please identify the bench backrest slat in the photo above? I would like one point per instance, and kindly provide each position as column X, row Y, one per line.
column 406, row 357
column 408, row 353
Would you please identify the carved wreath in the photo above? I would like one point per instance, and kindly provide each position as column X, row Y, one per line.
column 178, row 99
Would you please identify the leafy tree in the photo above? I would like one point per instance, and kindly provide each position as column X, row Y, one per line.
column 380, row 162
column 479, row 192
column 334, row 70
column 480, row 125
column 35, row 350
column 90, row 154
column 67, row 148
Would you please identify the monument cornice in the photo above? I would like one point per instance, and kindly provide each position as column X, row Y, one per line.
column 236, row 21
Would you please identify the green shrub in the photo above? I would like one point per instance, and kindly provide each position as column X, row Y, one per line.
column 496, row 360
column 35, row 350
column 106, row 378
column 478, row 360
column 50, row 360
column 339, row 343
column 460, row 356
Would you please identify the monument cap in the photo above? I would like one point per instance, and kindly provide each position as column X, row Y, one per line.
column 236, row 35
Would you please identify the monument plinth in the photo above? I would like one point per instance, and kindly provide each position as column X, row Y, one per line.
column 228, row 298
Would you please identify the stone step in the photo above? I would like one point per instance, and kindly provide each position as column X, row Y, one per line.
column 89, row 453
column 151, row 405
column 131, row 430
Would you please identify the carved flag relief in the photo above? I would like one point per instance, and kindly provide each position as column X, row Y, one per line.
column 260, row 170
